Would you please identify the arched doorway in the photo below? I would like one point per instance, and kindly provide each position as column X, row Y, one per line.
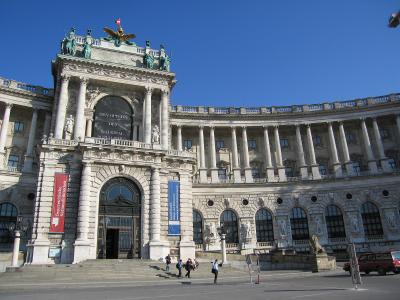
column 113, row 118
column 119, row 220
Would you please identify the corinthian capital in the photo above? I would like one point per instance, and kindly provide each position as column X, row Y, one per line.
column 65, row 77
column 84, row 80
column 148, row 90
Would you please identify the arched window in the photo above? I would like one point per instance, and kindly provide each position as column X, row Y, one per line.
column 8, row 216
column 371, row 219
column 264, row 226
column 230, row 223
column 334, row 222
column 299, row 224
column 197, row 228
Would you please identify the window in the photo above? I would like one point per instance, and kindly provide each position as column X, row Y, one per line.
column 356, row 167
column 323, row 170
column 317, row 140
column 334, row 222
column 289, row 172
column 299, row 224
column 187, row 144
column 255, row 172
column 18, row 127
column 222, row 173
column 351, row 138
column 8, row 216
column 264, row 226
column 13, row 161
column 385, row 134
column 197, row 228
column 392, row 163
column 229, row 221
column 220, row 144
column 252, row 144
column 284, row 143
column 371, row 220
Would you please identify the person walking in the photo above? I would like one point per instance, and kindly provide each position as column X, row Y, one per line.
column 188, row 267
column 179, row 266
column 214, row 270
column 168, row 262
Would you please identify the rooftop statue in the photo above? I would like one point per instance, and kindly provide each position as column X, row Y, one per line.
column 148, row 59
column 119, row 36
column 68, row 45
column 164, row 59
column 87, row 45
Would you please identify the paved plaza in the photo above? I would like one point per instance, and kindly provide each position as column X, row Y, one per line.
column 274, row 285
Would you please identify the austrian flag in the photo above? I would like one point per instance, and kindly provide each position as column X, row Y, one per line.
column 118, row 21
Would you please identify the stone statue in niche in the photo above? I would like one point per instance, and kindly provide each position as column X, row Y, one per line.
column 318, row 226
column 210, row 233
column 315, row 245
column 246, row 231
column 354, row 224
column 391, row 219
column 69, row 127
column 164, row 60
column 155, row 137
column 68, row 45
column 282, row 228
column 87, row 45
column 148, row 58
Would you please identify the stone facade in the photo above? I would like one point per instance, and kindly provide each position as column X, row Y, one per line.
column 343, row 155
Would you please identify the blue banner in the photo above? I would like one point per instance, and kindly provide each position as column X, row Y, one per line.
column 174, row 212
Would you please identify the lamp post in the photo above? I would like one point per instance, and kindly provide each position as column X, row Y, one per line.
column 16, row 229
column 222, row 236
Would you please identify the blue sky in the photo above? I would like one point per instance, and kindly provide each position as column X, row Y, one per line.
column 226, row 53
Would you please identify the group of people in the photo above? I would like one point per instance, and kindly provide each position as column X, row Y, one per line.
column 191, row 265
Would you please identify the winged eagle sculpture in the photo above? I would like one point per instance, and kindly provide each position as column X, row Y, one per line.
column 119, row 36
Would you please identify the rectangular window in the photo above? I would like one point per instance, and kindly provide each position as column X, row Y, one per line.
column 317, row 141
column 222, row 173
column 392, row 163
column 322, row 170
column 284, row 143
column 18, row 126
column 187, row 144
column 351, row 138
column 356, row 167
column 385, row 134
column 220, row 144
column 289, row 172
column 13, row 161
column 255, row 172
column 252, row 145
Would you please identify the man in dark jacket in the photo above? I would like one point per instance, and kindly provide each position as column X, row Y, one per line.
column 179, row 266
column 168, row 262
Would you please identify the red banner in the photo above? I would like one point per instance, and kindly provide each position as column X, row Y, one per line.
column 59, row 200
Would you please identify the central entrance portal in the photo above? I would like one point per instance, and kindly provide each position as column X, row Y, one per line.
column 119, row 220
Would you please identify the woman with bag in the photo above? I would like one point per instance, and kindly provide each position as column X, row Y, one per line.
column 214, row 270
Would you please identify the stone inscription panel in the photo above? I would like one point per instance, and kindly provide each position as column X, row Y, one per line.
column 113, row 119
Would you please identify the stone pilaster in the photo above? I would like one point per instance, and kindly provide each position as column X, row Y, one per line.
column 79, row 129
column 337, row 167
column 381, row 152
column 237, row 177
column 28, row 161
column 313, row 160
column 186, row 245
column 47, row 123
column 300, row 153
column 247, row 170
column 270, row 173
column 279, row 162
column 179, row 137
column 372, row 166
column 202, row 170
column 82, row 244
column 214, row 170
column 147, row 117
column 3, row 133
column 164, row 118
column 345, row 149
column 62, row 107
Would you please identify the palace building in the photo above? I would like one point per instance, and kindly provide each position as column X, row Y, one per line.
column 103, row 166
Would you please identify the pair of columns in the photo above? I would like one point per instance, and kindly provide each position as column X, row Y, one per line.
column 28, row 160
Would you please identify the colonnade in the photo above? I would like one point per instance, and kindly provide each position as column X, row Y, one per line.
column 306, row 171
column 83, row 127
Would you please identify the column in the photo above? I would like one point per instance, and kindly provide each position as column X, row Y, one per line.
column 62, row 107
column 89, row 126
column 202, row 170
column 214, row 170
column 270, row 172
column 237, row 177
column 313, row 161
column 28, row 161
column 79, row 129
column 345, row 149
column 279, row 162
column 179, row 138
column 147, row 118
column 3, row 133
column 47, row 123
column 82, row 244
column 164, row 118
column 337, row 167
column 372, row 166
column 155, row 203
column 381, row 152
column 398, row 124
column 135, row 132
column 247, row 170
column 300, row 152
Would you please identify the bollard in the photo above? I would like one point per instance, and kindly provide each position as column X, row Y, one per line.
column 17, row 239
